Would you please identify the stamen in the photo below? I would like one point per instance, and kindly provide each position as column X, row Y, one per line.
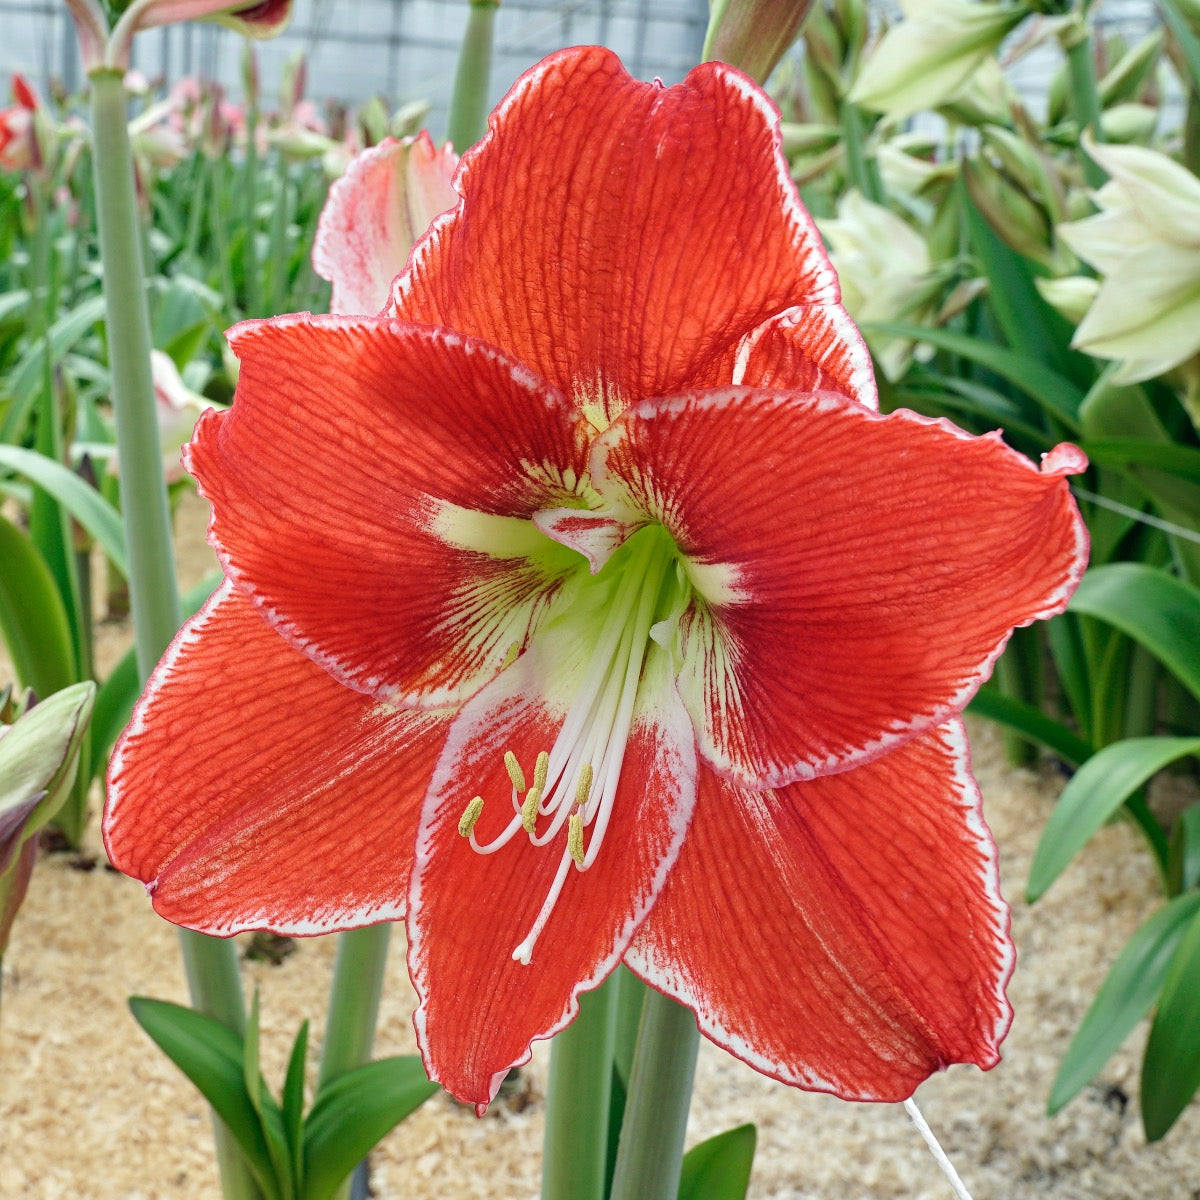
column 540, row 770
column 575, row 838
column 530, row 808
column 584, row 785
column 514, row 770
column 466, row 823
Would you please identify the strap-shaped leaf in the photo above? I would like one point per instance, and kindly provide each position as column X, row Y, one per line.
column 1171, row 1067
column 26, row 379
column 293, row 1101
column 210, row 1055
column 1032, row 722
column 1095, row 792
column 1124, row 998
column 1189, row 44
column 351, row 1114
column 1058, row 396
column 84, row 503
column 719, row 1168
column 33, row 621
column 1183, row 861
column 1028, row 323
column 1158, row 610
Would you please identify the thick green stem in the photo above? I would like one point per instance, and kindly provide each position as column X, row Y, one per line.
column 468, row 103
column 354, row 1006
column 650, row 1156
column 1085, row 101
column 250, row 281
column 210, row 965
column 631, row 998
column 354, row 1000
column 580, row 1090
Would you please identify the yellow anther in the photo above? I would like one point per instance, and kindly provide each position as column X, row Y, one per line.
column 530, row 808
column 514, row 770
column 575, row 838
column 466, row 822
column 511, row 656
column 584, row 785
column 540, row 770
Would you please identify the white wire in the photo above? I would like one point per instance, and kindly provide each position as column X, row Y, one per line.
column 939, row 1155
column 1136, row 514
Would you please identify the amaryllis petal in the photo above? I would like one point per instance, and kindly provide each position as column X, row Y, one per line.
column 675, row 232
column 394, row 548
column 264, row 19
column 251, row 791
column 810, row 348
column 845, row 934
column 469, row 912
column 857, row 574
column 387, row 198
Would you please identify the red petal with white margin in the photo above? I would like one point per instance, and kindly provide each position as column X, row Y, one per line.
column 845, row 934
column 251, row 791
column 372, row 488
column 616, row 236
column 480, row 1010
column 811, row 348
column 860, row 573
column 375, row 212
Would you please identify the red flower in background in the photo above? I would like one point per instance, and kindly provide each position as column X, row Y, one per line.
column 584, row 609
column 19, row 149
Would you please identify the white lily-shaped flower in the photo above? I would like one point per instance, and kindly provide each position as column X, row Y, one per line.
column 885, row 271
column 1145, row 244
column 933, row 53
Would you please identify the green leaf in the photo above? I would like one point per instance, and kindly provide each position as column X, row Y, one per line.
column 1154, row 608
column 119, row 693
column 1097, row 790
column 1183, row 862
column 210, row 1055
column 1058, row 396
column 1071, row 663
column 352, row 1113
column 719, row 1168
column 1125, row 996
column 84, row 503
column 1032, row 722
column 33, row 621
column 1029, row 324
column 293, row 1101
column 27, row 378
column 1171, row 1067
column 1175, row 20
column 1183, row 461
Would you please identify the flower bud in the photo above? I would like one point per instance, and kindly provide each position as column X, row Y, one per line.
column 932, row 54
column 753, row 35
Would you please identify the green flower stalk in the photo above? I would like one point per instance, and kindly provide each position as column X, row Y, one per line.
column 210, row 965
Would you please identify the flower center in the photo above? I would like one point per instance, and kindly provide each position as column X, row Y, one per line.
column 572, row 786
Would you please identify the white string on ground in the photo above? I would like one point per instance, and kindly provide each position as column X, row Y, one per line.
column 939, row 1155
column 1136, row 514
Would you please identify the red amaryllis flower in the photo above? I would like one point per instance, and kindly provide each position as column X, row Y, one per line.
column 19, row 149
column 583, row 608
